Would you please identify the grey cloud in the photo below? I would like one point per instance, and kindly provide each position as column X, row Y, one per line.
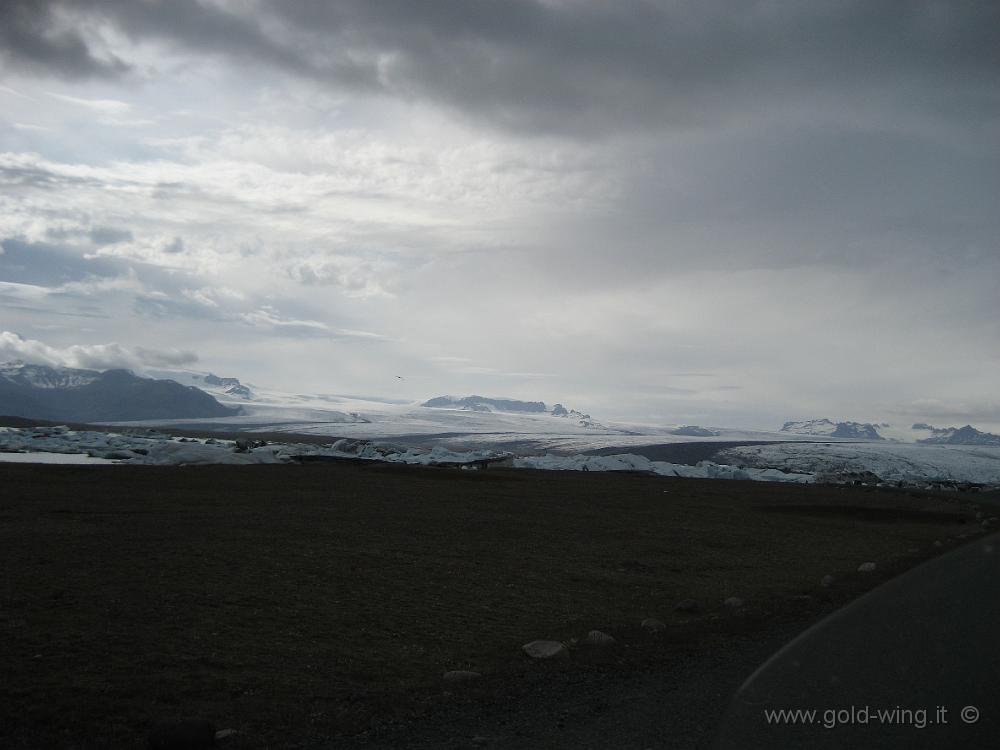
column 162, row 305
column 109, row 235
column 183, row 303
column 11, row 302
column 89, row 356
column 981, row 412
column 49, row 280
column 98, row 235
column 166, row 357
column 378, row 274
column 267, row 318
column 770, row 199
column 31, row 39
column 593, row 66
column 175, row 247
column 19, row 176
column 797, row 197
column 49, row 264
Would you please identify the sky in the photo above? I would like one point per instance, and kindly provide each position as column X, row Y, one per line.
column 717, row 213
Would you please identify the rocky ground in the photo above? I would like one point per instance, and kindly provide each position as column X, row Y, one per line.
column 322, row 605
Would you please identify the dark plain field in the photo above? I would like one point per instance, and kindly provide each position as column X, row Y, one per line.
column 303, row 605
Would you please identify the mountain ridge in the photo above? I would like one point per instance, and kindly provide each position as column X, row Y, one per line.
column 115, row 395
column 829, row 428
column 967, row 435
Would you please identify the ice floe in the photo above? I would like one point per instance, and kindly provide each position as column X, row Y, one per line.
column 890, row 463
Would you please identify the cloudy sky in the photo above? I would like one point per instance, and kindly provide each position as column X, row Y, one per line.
column 714, row 212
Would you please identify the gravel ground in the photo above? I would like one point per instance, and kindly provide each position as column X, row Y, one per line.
column 677, row 705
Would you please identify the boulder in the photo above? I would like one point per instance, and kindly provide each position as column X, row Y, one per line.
column 867, row 567
column 545, row 650
column 598, row 638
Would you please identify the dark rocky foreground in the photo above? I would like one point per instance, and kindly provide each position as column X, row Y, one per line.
column 320, row 605
column 675, row 701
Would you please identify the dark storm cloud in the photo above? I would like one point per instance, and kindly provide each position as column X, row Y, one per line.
column 582, row 66
column 30, row 38
column 591, row 65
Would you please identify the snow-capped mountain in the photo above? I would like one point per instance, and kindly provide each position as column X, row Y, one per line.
column 226, row 389
column 561, row 411
column 967, row 435
column 483, row 403
column 42, row 376
column 74, row 395
column 511, row 406
column 230, row 386
column 694, row 431
column 828, row 428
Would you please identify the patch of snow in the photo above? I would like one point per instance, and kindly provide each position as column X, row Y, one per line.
column 43, row 376
column 632, row 462
column 825, row 427
column 890, row 462
column 802, row 462
column 42, row 457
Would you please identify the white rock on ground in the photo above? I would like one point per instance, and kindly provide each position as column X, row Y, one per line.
column 868, row 567
column 652, row 625
column 597, row 638
column 545, row 650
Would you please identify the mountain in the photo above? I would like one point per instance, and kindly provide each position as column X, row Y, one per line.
column 230, row 386
column 482, row 403
column 212, row 379
column 827, row 428
column 42, row 376
column 561, row 411
column 73, row 395
column 226, row 388
column 694, row 431
column 967, row 435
